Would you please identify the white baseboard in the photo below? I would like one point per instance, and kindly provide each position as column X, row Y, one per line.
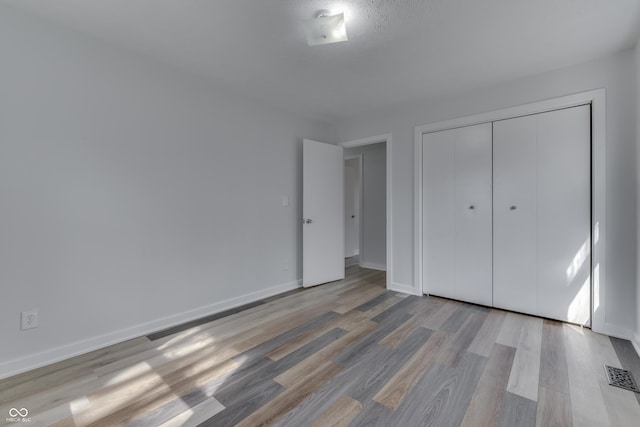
column 623, row 333
column 47, row 357
column 614, row 331
column 373, row 266
column 405, row 289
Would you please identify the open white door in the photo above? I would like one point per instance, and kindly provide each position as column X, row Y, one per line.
column 323, row 213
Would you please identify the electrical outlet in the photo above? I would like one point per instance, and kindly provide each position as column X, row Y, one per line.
column 29, row 319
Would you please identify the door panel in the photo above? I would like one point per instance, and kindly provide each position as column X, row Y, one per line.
column 542, row 248
column 515, row 255
column 323, row 212
column 564, row 218
column 472, row 207
column 438, row 219
column 457, row 207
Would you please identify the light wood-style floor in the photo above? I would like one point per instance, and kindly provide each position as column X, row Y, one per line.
column 348, row 353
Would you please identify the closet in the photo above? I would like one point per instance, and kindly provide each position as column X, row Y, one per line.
column 507, row 214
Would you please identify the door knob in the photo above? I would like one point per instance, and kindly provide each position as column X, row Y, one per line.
column 513, row 207
column 353, row 216
column 472, row 207
column 308, row 221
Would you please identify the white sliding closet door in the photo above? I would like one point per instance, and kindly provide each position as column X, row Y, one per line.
column 542, row 214
column 457, row 213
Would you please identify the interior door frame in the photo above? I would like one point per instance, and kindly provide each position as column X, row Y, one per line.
column 597, row 99
column 386, row 138
column 360, row 202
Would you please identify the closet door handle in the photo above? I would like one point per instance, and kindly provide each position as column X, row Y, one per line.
column 513, row 208
column 472, row 207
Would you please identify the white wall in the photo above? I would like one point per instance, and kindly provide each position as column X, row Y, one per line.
column 373, row 251
column 616, row 74
column 133, row 196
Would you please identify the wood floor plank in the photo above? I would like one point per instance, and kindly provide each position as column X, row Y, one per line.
column 457, row 319
column 442, row 395
column 55, row 414
column 373, row 414
column 291, row 376
column 288, row 399
column 426, row 304
column 288, row 335
column 395, row 391
column 377, row 371
column 375, row 301
column 46, row 378
column 234, row 414
column 345, row 321
column 173, row 408
column 351, row 302
column 554, row 409
column 400, row 334
column 437, row 317
column 234, row 391
column 325, row 396
column 487, row 335
column 455, row 347
column 511, row 329
column 128, row 403
column 486, row 403
column 525, row 373
column 587, row 402
column 517, row 411
column 46, row 402
column 196, row 415
column 383, row 306
column 553, row 360
column 360, row 350
column 391, row 311
column 340, row 414
column 417, row 320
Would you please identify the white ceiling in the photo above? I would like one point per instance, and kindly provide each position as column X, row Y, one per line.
column 398, row 50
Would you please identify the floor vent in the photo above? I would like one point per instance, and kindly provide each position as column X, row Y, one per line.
column 621, row 378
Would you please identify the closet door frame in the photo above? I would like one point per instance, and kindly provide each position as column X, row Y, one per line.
column 597, row 100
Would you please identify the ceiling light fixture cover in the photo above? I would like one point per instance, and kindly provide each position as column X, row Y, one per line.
column 325, row 29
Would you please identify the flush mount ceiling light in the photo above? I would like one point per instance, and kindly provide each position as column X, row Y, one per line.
column 325, row 29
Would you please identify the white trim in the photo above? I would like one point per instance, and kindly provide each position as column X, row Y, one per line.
column 635, row 340
column 389, row 140
column 405, row 289
column 616, row 331
column 24, row 364
column 366, row 141
column 622, row 333
column 597, row 99
column 373, row 266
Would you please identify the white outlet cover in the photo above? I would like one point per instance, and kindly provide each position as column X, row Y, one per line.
column 29, row 319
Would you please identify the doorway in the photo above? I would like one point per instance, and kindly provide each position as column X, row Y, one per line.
column 365, row 206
